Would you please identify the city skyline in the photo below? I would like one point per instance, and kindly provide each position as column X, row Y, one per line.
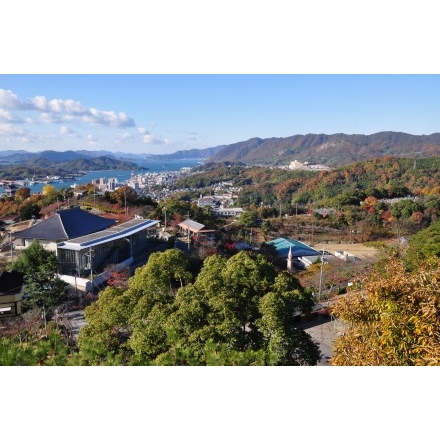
column 160, row 114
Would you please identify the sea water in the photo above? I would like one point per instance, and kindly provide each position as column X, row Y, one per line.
column 154, row 166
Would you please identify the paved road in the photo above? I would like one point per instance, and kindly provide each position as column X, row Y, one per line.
column 323, row 331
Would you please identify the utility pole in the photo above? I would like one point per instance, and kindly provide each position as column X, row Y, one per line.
column 188, row 232
column 320, row 275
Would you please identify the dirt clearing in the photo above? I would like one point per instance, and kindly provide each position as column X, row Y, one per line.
column 358, row 250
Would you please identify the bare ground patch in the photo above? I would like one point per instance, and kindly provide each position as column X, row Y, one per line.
column 357, row 249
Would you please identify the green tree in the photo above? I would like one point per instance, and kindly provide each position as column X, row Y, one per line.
column 424, row 244
column 249, row 219
column 29, row 209
column 216, row 320
column 51, row 350
column 118, row 320
column 107, row 329
column 286, row 344
column 42, row 284
column 219, row 319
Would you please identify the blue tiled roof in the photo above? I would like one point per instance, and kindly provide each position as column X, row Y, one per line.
column 299, row 249
column 66, row 224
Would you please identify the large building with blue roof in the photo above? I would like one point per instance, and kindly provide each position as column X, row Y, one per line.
column 298, row 249
column 65, row 224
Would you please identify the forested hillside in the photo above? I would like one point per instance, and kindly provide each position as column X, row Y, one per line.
column 42, row 166
column 332, row 150
column 385, row 177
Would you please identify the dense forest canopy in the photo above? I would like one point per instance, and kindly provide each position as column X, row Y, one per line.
column 382, row 178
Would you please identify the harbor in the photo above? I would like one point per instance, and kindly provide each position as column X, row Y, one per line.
column 154, row 170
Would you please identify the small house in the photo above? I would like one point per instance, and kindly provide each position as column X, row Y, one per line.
column 11, row 295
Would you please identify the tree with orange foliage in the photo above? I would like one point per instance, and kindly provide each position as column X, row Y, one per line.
column 392, row 317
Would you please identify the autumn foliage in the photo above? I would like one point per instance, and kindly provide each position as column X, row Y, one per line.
column 392, row 317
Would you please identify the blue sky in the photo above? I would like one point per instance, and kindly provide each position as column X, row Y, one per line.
column 153, row 113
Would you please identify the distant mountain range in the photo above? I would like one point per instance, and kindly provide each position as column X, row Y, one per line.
column 332, row 150
column 20, row 165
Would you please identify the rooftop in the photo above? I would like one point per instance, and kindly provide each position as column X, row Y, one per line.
column 11, row 282
column 299, row 249
column 66, row 224
column 191, row 225
column 111, row 234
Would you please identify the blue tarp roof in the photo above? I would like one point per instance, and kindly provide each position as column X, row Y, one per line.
column 299, row 249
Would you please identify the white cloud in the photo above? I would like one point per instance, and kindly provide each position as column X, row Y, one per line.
column 67, row 107
column 110, row 118
column 91, row 140
column 48, row 118
column 142, row 130
column 57, row 110
column 6, row 116
column 65, row 131
column 10, row 130
column 152, row 139
column 9, row 100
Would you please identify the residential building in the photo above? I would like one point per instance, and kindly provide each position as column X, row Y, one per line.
column 11, row 295
column 229, row 212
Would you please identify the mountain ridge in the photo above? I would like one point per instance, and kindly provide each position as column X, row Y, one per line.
column 332, row 150
column 327, row 149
